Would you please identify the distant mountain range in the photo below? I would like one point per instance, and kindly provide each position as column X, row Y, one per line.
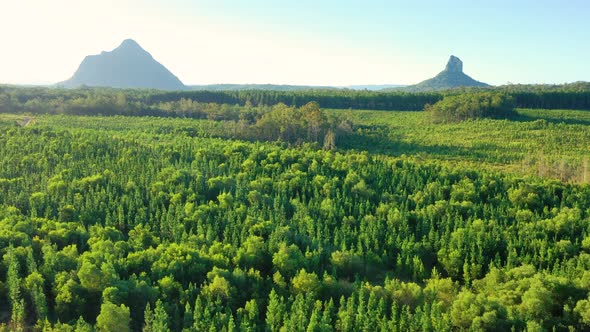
column 374, row 87
column 275, row 87
column 130, row 66
column 452, row 77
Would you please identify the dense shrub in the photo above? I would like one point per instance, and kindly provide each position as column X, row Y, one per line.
column 471, row 106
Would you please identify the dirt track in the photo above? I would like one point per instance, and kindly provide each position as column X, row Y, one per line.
column 25, row 121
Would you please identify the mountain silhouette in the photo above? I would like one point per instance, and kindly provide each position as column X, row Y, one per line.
column 452, row 77
column 127, row 66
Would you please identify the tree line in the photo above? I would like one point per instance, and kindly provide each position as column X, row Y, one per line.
column 568, row 96
column 307, row 123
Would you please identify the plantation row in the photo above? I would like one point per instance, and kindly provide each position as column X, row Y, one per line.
column 126, row 223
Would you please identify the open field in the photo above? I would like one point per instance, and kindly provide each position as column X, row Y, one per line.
column 554, row 143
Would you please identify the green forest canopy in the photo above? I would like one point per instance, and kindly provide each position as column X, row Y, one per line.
column 259, row 211
column 149, row 223
column 467, row 106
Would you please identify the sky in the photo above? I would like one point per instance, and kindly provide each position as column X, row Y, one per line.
column 303, row 42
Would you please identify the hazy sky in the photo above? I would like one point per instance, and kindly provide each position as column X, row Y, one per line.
column 319, row 42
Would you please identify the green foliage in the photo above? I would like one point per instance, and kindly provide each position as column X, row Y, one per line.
column 288, row 259
column 462, row 107
column 305, row 283
column 119, row 223
column 156, row 320
column 112, row 318
column 545, row 143
column 202, row 104
column 275, row 312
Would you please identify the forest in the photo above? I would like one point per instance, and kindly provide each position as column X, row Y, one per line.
column 89, row 101
column 127, row 211
column 455, row 108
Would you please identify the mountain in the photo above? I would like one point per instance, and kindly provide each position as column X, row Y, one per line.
column 452, row 77
column 127, row 66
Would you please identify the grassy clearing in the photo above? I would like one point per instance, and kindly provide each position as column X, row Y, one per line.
column 554, row 143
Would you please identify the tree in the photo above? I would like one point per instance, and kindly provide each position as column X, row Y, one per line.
column 583, row 310
column 69, row 301
column 113, row 318
column 160, row 323
column 288, row 259
column 476, row 312
column 148, row 317
column 13, row 280
column 218, row 288
column 93, row 278
column 315, row 120
column 253, row 253
column 155, row 320
column 330, row 140
column 536, row 302
column 305, row 283
column 82, row 326
column 275, row 311
column 34, row 283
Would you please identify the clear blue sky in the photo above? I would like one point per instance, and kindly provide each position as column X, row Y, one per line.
column 321, row 42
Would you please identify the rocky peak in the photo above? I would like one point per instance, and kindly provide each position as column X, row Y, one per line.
column 130, row 46
column 127, row 66
column 129, row 43
column 455, row 65
column 452, row 77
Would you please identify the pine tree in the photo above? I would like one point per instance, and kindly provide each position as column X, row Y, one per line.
column 188, row 316
column 315, row 321
column 34, row 284
column 17, row 303
column 275, row 311
column 394, row 322
column 327, row 319
column 200, row 316
column 160, row 322
column 345, row 321
column 148, row 315
column 82, row 326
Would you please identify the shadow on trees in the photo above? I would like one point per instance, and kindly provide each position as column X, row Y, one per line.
column 549, row 119
column 393, row 145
